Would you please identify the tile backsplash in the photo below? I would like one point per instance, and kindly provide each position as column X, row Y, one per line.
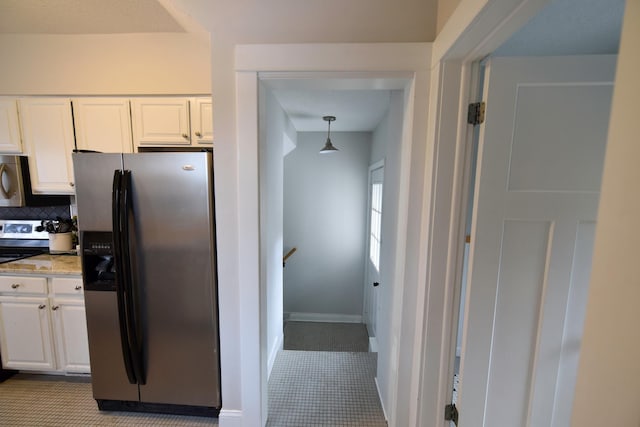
column 40, row 212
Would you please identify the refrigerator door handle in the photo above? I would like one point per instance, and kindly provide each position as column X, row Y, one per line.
column 116, row 196
column 134, row 324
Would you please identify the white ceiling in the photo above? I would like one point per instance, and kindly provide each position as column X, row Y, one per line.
column 85, row 17
column 563, row 27
column 355, row 110
column 569, row 27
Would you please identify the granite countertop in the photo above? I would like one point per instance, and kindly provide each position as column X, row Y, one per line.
column 45, row 265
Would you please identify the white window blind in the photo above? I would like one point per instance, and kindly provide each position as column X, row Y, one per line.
column 376, row 224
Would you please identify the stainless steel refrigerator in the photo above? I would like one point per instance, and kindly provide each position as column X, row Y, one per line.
column 148, row 258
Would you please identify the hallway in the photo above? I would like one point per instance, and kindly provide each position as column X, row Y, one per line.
column 324, row 388
column 325, row 377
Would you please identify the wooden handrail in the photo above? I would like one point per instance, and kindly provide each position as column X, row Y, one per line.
column 286, row 257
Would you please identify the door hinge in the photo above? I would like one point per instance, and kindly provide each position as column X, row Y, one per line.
column 475, row 114
column 451, row 413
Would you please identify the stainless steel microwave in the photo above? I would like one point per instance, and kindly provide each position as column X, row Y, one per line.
column 15, row 185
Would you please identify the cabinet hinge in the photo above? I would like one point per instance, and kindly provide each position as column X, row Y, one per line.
column 451, row 413
column 475, row 114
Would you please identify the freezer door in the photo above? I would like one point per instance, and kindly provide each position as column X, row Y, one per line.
column 93, row 181
column 108, row 376
column 173, row 257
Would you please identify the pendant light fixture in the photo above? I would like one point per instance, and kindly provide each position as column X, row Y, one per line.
column 328, row 146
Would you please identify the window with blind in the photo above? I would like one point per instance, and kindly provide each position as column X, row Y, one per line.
column 376, row 224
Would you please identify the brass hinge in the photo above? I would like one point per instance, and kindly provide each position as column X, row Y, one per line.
column 451, row 413
column 475, row 114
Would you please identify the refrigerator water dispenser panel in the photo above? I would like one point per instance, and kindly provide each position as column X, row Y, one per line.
column 98, row 261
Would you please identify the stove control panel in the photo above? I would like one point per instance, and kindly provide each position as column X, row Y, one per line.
column 21, row 229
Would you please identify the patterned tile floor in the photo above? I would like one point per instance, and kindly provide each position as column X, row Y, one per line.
column 322, row 388
column 306, row 388
column 52, row 401
column 322, row 336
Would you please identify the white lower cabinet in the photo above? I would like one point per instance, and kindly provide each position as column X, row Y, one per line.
column 47, row 332
column 69, row 324
column 25, row 332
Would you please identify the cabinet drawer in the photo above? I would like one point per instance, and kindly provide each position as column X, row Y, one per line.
column 23, row 285
column 67, row 285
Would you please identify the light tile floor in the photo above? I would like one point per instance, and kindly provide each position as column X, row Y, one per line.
column 52, row 401
column 322, row 388
column 323, row 336
column 306, row 388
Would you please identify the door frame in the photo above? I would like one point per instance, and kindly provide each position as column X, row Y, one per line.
column 400, row 66
column 475, row 29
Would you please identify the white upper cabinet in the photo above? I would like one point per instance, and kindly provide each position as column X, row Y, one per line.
column 103, row 124
column 47, row 128
column 172, row 121
column 161, row 121
column 202, row 121
column 10, row 142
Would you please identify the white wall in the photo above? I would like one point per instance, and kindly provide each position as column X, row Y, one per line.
column 273, row 133
column 325, row 211
column 609, row 371
column 386, row 145
column 110, row 64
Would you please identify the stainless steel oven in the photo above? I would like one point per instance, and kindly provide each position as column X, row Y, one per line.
column 19, row 239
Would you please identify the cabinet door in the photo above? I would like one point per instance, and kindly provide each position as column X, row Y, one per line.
column 70, row 331
column 103, row 124
column 202, row 121
column 161, row 121
column 25, row 334
column 10, row 142
column 47, row 127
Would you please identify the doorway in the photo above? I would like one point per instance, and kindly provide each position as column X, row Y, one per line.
column 276, row 133
column 544, row 316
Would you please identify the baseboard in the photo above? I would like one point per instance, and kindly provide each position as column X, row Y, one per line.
column 384, row 411
column 373, row 345
column 230, row 418
column 324, row 317
column 277, row 346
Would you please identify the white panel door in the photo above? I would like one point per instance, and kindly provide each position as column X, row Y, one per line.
column 103, row 124
column 374, row 243
column 537, row 185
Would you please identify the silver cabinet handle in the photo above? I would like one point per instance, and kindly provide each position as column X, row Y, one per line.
column 71, row 184
column 55, row 307
column 198, row 134
column 15, row 285
column 41, row 306
column 185, row 136
column 78, row 287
